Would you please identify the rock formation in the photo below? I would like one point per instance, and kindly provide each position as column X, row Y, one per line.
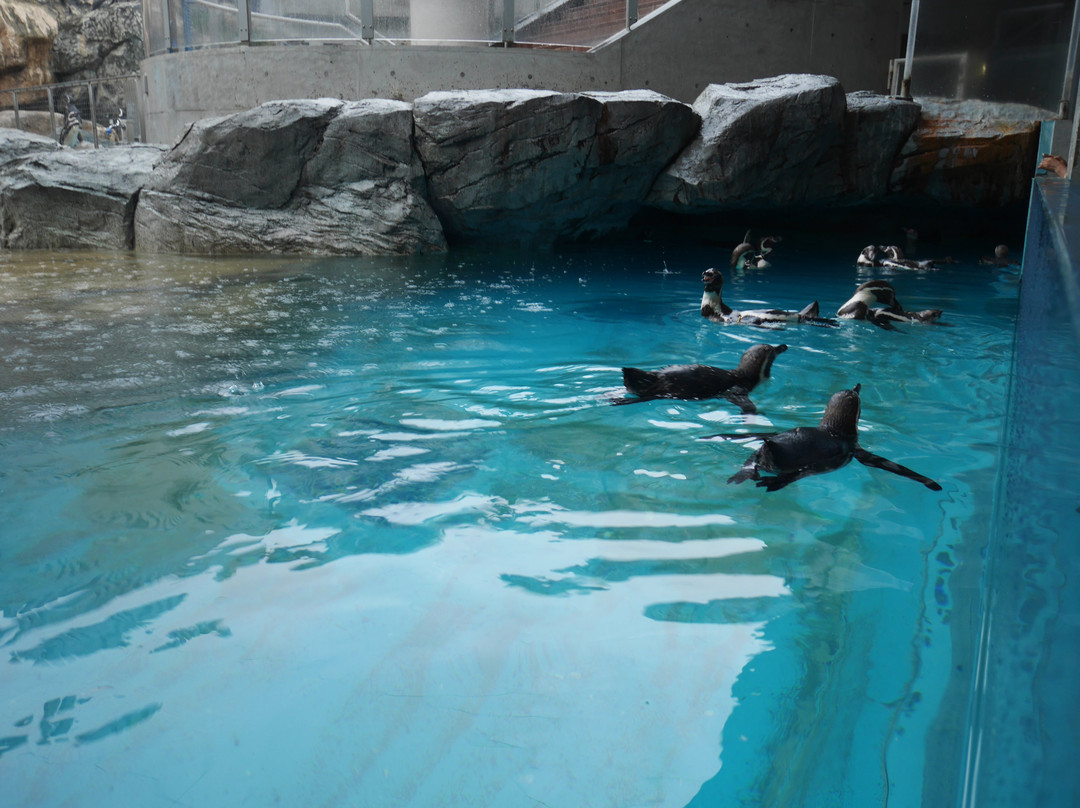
column 311, row 176
column 53, row 198
column 972, row 152
column 758, row 145
column 517, row 167
column 27, row 32
column 539, row 167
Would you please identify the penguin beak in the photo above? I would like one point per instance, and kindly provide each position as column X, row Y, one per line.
column 856, row 389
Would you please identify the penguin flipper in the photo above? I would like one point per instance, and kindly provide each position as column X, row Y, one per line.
column 747, row 472
column 879, row 462
column 739, row 436
column 778, row 482
column 631, row 400
column 739, row 397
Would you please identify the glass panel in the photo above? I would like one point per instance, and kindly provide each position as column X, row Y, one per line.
column 154, row 11
column 309, row 19
column 584, row 23
column 456, row 21
column 196, row 23
column 392, row 20
column 994, row 50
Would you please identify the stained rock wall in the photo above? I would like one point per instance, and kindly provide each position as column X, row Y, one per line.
column 522, row 167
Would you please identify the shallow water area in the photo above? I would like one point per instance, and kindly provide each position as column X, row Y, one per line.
column 370, row 532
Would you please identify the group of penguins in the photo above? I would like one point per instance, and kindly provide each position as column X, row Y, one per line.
column 71, row 133
column 804, row 451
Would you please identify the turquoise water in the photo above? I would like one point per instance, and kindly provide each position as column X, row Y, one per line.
column 368, row 532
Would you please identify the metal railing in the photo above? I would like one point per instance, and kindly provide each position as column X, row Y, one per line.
column 178, row 25
column 106, row 110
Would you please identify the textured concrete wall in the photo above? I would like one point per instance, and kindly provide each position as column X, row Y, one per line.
column 677, row 51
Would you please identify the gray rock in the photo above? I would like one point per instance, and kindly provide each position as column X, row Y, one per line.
column 15, row 143
column 758, row 147
column 251, row 159
column 69, row 198
column 293, row 177
column 969, row 153
column 536, row 167
column 857, row 168
column 99, row 43
column 875, row 129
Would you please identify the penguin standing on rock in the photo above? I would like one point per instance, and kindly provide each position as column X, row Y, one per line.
column 695, row 382
column 801, row 452
column 71, row 132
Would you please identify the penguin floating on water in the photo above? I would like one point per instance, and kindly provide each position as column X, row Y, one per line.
column 746, row 256
column 805, row 451
column 860, row 306
column 696, row 382
column 892, row 256
column 1000, row 258
column 714, row 308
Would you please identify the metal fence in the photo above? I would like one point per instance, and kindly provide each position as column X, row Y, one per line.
column 90, row 112
column 176, row 25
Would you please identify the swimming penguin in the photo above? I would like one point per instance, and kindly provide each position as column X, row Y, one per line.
column 804, row 451
column 1000, row 258
column 697, row 382
column 746, row 256
column 71, row 132
column 714, row 307
column 860, row 306
column 876, row 255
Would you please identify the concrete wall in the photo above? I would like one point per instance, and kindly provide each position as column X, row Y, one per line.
column 677, row 51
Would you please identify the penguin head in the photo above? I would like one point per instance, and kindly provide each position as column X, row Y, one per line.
column 868, row 256
column 765, row 246
column 842, row 413
column 713, row 280
column 758, row 359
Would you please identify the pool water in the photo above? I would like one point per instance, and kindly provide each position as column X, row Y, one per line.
column 369, row 532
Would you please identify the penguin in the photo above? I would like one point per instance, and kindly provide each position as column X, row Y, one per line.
column 892, row 256
column 860, row 307
column 696, row 382
column 805, row 451
column 714, row 308
column 117, row 127
column 71, row 133
column 746, row 256
column 1000, row 258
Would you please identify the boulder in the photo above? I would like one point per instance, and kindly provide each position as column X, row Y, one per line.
column 858, row 167
column 101, row 42
column 309, row 176
column 15, row 143
column 970, row 153
column 27, row 32
column 537, row 167
column 72, row 198
column 758, row 147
